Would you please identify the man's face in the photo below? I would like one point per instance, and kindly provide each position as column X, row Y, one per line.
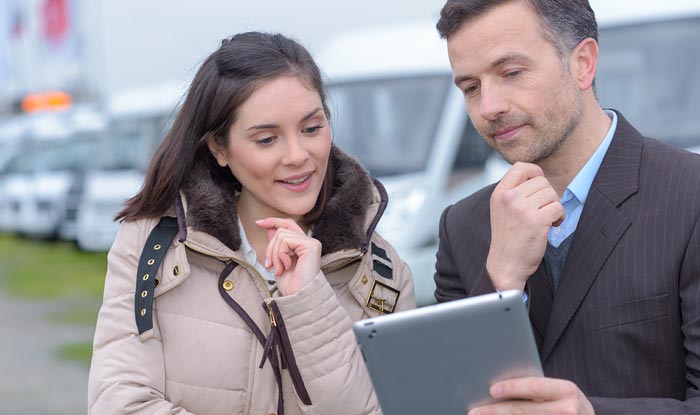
column 520, row 96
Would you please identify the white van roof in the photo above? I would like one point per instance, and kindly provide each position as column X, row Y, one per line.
column 416, row 48
column 413, row 48
column 145, row 101
column 616, row 12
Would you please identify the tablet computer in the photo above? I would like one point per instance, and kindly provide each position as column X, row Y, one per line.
column 441, row 359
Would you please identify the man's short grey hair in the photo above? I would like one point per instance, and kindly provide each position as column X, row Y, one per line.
column 565, row 23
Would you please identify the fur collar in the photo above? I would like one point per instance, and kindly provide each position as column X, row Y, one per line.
column 211, row 206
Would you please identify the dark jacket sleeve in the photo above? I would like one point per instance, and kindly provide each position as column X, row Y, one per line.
column 464, row 239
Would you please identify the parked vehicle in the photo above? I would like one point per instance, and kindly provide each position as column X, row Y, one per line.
column 138, row 122
column 396, row 109
column 57, row 159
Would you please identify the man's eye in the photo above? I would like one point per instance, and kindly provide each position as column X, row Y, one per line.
column 513, row 73
column 471, row 89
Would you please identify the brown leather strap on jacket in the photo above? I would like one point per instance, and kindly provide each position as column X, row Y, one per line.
column 278, row 332
column 255, row 329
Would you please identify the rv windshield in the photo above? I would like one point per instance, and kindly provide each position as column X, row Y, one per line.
column 388, row 124
column 650, row 73
column 72, row 154
column 130, row 143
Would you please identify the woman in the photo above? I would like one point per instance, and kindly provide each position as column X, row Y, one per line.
column 275, row 254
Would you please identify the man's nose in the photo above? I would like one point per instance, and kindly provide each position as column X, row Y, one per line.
column 493, row 101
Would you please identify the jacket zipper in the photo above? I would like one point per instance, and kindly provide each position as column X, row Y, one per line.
column 241, row 262
column 273, row 323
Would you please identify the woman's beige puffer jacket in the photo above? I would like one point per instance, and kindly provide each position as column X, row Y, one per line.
column 201, row 357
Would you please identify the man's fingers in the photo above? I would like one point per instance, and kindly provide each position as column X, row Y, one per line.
column 520, row 173
column 535, row 395
column 538, row 389
column 533, row 186
column 554, row 212
column 516, row 407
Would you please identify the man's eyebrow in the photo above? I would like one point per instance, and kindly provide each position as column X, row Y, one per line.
column 510, row 57
column 270, row 126
column 507, row 58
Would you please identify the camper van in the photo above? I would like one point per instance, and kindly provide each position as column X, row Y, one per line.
column 55, row 146
column 137, row 123
column 395, row 108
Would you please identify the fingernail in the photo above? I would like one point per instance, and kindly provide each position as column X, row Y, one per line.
column 474, row 412
column 496, row 391
column 267, row 263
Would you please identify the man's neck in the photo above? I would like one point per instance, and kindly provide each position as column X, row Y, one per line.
column 561, row 168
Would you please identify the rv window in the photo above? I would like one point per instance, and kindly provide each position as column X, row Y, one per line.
column 388, row 124
column 650, row 73
column 72, row 154
column 473, row 150
column 130, row 144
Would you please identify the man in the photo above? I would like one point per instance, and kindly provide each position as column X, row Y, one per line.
column 596, row 223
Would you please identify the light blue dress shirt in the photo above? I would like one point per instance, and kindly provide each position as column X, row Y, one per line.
column 576, row 192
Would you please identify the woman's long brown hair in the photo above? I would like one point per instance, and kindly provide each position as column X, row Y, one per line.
column 221, row 85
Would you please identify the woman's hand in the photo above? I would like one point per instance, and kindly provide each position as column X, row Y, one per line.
column 294, row 257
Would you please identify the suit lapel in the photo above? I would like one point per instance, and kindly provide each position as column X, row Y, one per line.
column 600, row 227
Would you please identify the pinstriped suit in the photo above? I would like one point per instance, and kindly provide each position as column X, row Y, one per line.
column 625, row 322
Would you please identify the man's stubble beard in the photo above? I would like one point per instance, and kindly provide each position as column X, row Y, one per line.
column 551, row 139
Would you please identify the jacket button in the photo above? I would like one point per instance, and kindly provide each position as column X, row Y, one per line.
column 228, row 285
column 177, row 270
column 364, row 279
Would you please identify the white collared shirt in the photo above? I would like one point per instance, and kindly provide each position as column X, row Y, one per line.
column 251, row 257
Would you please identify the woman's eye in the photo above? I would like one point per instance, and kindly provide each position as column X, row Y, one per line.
column 312, row 130
column 265, row 141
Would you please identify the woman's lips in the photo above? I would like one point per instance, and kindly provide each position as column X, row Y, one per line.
column 297, row 183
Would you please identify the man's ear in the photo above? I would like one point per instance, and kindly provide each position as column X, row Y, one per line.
column 584, row 63
column 216, row 151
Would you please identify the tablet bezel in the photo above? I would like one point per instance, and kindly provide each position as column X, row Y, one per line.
column 443, row 358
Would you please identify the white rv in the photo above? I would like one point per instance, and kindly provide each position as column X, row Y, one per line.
column 138, row 120
column 54, row 147
column 395, row 107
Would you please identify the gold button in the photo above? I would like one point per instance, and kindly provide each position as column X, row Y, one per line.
column 177, row 270
column 151, row 261
column 228, row 285
column 364, row 279
column 145, row 277
column 144, row 293
column 157, row 247
column 143, row 312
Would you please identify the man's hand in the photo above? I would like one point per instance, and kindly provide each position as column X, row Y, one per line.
column 523, row 208
column 537, row 396
column 294, row 256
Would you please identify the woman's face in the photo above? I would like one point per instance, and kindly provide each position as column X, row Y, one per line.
column 278, row 149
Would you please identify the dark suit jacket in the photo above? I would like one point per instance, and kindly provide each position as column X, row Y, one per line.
column 624, row 324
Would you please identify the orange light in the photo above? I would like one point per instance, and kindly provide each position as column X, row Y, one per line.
column 46, row 101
